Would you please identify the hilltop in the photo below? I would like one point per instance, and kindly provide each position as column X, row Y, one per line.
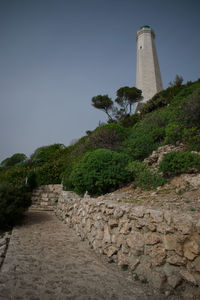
column 112, row 156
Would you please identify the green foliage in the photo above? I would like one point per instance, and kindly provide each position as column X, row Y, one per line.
column 108, row 136
column 98, row 172
column 146, row 177
column 14, row 200
column 46, row 153
column 177, row 81
column 175, row 163
column 173, row 133
column 161, row 99
column 126, row 97
column 15, row 159
column 190, row 109
column 146, row 135
column 50, row 173
column 139, row 146
column 184, row 118
column 103, row 103
column 14, row 175
column 129, row 120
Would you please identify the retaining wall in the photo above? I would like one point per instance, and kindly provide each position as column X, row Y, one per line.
column 159, row 247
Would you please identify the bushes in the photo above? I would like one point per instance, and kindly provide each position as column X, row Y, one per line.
column 14, row 200
column 175, row 163
column 15, row 159
column 161, row 99
column 14, row 175
column 98, row 172
column 46, row 153
column 139, row 146
column 50, row 173
column 147, row 178
column 146, row 135
column 130, row 120
column 109, row 136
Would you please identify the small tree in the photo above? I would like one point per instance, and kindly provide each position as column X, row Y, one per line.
column 126, row 97
column 103, row 102
column 178, row 80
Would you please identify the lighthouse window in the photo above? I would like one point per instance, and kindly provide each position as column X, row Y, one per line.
column 140, row 47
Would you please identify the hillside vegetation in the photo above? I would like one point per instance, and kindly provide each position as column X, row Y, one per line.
column 110, row 156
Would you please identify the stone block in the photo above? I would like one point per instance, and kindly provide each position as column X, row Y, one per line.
column 174, row 280
column 135, row 241
column 117, row 239
column 177, row 260
column 158, row 280
column 155, row 215
column 152, row 238
column 122, row 259
column 110, row 250
column 192, row 247
column 186, row 275
column 183, row 223
column 143, row 270
column 133, row 262
column 158, row 254
column 107, row 236
column 118, row 213
column 137, row 212
column 170, row 242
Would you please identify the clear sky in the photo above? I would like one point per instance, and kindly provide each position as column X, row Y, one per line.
column 55, row 55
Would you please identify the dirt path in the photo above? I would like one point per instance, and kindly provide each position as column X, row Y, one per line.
column 46, row 260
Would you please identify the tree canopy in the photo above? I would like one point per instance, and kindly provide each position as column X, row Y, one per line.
column 126, row 97
column 103, row 102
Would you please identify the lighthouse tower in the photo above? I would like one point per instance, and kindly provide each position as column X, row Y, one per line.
column 148, row 77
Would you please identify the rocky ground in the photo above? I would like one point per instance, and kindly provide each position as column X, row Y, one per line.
column 182, row 194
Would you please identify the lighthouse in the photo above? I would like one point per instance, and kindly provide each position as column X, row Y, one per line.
column 148, row 76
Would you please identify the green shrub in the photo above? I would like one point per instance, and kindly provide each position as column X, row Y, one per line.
column 146, row 177
column 130, row 120
column 175, row 163
column 14, row 200
column 46, row 154
column 50, row 173
column 15, row 159
column 161, row 99
column 190, row 110
column 98, row 172
column 146, row 135
column 108, row 136
column 139, row 145
column 14, row 175
column 174, row 133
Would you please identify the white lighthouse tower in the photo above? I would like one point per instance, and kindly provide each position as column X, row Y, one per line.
column 148, row 77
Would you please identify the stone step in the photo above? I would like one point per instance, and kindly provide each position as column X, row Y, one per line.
column 40, row 208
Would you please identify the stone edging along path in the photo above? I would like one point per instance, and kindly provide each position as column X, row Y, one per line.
column 159, row 247
column 46, row 260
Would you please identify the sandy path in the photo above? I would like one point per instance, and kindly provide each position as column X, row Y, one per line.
column 46, row 260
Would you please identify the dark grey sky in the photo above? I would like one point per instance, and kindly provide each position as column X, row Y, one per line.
column 55, row 55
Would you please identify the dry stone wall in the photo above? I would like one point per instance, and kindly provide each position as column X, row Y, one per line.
column 46, row 196
column 159, row 247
